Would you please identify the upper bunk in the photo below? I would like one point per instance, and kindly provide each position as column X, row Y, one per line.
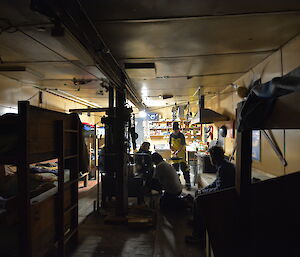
column 285, row 113
column 33, row 134
column 272, row 105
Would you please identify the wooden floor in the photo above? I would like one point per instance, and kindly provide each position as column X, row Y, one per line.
column 96, row 238
column 171, row 231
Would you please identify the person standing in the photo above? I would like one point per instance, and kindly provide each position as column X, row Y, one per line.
column 177, row 145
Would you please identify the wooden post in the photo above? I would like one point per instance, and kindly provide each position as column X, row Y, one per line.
column 60, row 192
column 121, row 174
column 109, row 164
column 111, row 97
column 25, row 237
column 74, row 176
column 243, row 187
column 97, row 167
column 243, row 162
column 243, row 158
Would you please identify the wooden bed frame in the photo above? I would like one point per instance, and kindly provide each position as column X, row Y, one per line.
column 43, row 135
column 257, row 219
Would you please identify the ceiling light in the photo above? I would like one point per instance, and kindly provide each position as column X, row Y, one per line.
column 142, row 114
column 140, row 70
column 69, row 96
column 166, row 96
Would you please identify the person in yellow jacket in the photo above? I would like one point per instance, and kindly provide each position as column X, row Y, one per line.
column 177, row 146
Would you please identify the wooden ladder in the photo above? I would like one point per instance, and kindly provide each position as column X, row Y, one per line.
column 67, row 232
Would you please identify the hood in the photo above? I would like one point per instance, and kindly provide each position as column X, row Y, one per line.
column 206, row 116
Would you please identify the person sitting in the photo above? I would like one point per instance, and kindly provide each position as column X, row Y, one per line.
column 169, row 181
column 143, row 158
column 225, row 178
column 144, row 148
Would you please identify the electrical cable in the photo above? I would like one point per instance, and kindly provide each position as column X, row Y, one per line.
column 32, row 96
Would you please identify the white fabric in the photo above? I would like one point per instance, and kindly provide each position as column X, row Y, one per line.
column 168, row 178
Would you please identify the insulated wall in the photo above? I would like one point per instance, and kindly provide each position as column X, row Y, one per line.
column 282, row 61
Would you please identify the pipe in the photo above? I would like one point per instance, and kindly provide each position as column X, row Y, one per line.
column 78, row 98
column 63, row 96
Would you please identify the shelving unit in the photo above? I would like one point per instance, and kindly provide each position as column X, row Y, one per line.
column 161, row 129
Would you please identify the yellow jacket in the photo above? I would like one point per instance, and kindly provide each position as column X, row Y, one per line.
column 176, row 142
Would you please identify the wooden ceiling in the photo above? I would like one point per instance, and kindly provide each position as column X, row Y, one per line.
column 193, row 43
column 49, row 62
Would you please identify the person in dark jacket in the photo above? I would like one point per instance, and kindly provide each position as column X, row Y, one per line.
column 225, row 175
column 143, row 159
column 225, row 178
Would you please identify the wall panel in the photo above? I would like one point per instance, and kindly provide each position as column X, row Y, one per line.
column 291, row 55
column 269, row 162
column 266, row 70
column 12, row 91
column 292, row 145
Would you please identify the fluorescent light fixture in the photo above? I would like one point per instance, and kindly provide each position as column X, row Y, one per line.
column 140, row 70
column 12, row 68
column 69, row 96
column 94, row 105
column 8, row 110
column 20, row 70
column 142, row 114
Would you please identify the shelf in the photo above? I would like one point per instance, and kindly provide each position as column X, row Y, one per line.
column 160, row 128
column 159, row 121
column 180, row 122
column 171, row 128
column 169, row 135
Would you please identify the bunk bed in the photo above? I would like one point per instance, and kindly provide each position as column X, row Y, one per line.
column 257, row 219
column 47, row 219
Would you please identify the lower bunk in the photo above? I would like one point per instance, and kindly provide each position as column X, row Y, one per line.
column 44, row 203
column 42, row 220
column 263, row 225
